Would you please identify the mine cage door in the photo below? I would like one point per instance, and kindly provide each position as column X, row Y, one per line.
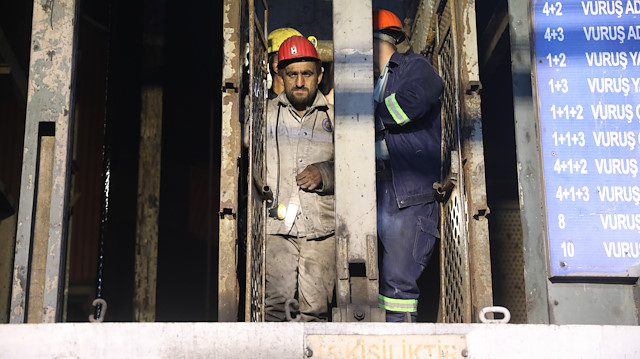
column 465, row 264
column 242, row 200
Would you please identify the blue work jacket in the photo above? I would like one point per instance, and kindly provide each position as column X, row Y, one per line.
column 409, row 119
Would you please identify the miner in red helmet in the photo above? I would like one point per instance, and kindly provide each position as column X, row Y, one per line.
column 407, row 118
column 300, row 247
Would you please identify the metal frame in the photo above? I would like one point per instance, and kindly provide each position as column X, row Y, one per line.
column 49, row 100
column 454, row 254
column 355, row 196
column 466, row 287
column 529, row 167
column 230, row 149
column 472, row 154
column 256, row 206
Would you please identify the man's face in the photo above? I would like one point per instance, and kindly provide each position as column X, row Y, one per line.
column 301, row 81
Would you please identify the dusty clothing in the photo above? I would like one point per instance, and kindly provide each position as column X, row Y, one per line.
column 407, row 117
column 306, row 267
column 301, row 142
column 300, row 250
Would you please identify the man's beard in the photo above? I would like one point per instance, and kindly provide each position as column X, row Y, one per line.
column 301, row 102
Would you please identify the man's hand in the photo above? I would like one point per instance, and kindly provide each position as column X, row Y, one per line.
column 309, row 179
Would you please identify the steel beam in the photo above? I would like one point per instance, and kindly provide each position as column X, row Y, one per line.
column 228, row 288
column 472, row 152
column 49, row 100
column 529, row 167
column 355, row 186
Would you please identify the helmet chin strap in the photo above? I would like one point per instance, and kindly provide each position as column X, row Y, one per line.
column 384, row 37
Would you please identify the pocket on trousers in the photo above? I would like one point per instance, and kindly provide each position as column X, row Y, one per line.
column 425, row 239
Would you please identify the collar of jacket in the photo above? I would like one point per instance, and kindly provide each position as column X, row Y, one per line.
column 397, row 59
column 320, row 102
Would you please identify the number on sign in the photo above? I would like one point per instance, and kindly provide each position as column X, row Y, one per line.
column 552, row 9
column 561, row 222
column 554, row 34
column 557, row 60
column 568, row 249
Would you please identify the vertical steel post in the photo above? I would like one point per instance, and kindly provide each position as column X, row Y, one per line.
column 355, row 189
column 472, row 152
column 49, row 100
column 228, row 288
column 529, row 169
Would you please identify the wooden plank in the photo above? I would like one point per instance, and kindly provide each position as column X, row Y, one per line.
column 41, row 230
column 146, row 261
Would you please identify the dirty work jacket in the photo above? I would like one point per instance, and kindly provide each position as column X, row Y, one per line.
column 302, row 142
column 409, row 119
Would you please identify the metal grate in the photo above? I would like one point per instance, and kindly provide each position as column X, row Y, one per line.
column 452, row 264
column 454, row 302
column 256, row 210
column 508, row 263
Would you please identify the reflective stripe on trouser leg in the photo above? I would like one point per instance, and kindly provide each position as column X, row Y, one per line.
column 407, row 238
column 397, row 305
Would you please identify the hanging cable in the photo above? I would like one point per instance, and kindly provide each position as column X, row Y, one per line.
column 99, row 301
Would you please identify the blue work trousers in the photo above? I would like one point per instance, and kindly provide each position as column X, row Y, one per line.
column 407, row 237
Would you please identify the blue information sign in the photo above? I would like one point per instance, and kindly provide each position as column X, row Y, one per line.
column 588, row 86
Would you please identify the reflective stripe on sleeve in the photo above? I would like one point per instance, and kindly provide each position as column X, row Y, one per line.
column 397, row 305
column 395, row 110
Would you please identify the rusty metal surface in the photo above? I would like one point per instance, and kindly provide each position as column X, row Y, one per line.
column 49, row 99
column 454, row 266
column 256, row 206
column 508, row 261
column 465, row 257
column 228, row 290
column 472, row 153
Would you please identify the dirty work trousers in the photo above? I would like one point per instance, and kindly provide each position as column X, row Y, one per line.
column 302, row 269
column 406, row 240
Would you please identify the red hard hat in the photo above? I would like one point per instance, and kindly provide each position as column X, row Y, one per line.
column 296, row 47
column 386, row 22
